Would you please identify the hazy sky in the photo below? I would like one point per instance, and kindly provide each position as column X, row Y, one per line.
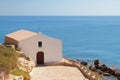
column 60, row 7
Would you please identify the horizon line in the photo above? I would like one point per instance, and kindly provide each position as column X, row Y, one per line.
column 60, row 15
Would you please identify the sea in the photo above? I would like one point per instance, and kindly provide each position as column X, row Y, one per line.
column 83, row 37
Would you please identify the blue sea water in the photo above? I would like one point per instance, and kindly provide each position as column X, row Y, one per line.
column 84, row 37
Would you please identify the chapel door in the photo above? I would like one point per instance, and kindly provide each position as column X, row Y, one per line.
column 40, row 58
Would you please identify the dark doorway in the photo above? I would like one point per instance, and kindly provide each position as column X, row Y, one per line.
column 40, row 58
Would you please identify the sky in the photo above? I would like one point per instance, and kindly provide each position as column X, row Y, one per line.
column 60, row 7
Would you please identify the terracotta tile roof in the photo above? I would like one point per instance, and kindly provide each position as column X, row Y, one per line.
column 21, row 35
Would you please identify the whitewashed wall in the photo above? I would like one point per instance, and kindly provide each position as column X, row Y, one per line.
column 52, row 48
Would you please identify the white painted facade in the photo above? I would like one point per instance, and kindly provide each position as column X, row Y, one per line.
column 51, row 47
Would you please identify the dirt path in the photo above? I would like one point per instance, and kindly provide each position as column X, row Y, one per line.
column 56, row 73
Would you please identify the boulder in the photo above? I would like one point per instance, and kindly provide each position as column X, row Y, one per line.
column 92, row 68
column 99, row 71
column 103, row 68
column 113, row 68
column 117, row 74
column 25, row 65
column 2, row 75
column 106, row 74
column 84, row 63
column 96, row 62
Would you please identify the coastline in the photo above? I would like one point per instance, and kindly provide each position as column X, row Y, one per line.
column 106, row 72
column 93, row 36
column 91, row 72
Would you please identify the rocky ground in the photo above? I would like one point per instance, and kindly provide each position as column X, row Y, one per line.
column 60, row 72
column 108, row 73
column 24, row 64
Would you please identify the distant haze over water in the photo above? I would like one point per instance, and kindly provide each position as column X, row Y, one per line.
column 84, row 37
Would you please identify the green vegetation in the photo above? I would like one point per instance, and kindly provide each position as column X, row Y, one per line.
column 21, row 72
column 8, row 59
column 8, row 62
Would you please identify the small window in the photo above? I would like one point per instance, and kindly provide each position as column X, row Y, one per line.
column 39, row 44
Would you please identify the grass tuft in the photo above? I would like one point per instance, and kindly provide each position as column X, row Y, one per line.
column 8, row 58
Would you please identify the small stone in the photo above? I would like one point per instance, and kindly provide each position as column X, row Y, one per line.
column 106, row 74
column 84, row 63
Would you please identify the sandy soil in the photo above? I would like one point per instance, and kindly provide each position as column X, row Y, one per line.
column 56, row 73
